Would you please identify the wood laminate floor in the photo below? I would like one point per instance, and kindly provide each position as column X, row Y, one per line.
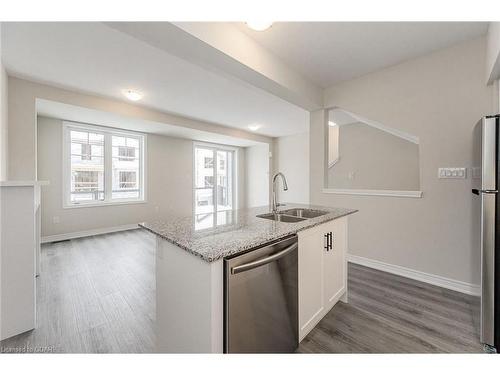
column 97, row 295
column 392, row 314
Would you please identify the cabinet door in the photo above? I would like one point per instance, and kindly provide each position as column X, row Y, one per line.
column 334, row 263
column 310, row 279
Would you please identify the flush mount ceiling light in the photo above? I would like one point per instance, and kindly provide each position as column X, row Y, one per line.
column 132, row 95
column 259, row 25
column 254, row 127
column 331, row 123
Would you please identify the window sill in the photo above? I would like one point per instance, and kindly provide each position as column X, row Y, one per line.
column 382, row 193
column 103, row 204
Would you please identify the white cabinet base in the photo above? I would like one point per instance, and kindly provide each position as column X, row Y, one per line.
column 190, row 297
column 189, row 301
column 19, row 251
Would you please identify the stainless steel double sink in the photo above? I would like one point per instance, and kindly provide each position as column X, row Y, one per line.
column 293, row 215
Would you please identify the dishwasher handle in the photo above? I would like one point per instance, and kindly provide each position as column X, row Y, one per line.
column 262, row 261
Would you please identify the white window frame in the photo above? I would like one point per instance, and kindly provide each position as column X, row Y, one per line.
column 234, row 172
column 108, row 156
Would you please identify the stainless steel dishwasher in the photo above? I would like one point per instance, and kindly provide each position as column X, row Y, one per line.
column 261, row 299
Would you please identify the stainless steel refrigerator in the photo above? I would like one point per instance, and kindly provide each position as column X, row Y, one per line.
column 486, row 208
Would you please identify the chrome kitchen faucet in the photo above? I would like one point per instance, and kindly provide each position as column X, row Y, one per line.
column 285, row 188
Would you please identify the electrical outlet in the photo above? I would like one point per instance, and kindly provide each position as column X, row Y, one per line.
column 56, row 220
column 460, row 173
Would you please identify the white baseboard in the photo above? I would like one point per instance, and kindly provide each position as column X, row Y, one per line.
column 86, row 233
column 428, row 278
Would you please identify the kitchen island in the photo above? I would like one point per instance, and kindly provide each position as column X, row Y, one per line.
column 190, row 272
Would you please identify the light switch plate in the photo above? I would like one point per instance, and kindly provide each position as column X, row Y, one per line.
column 460, row 173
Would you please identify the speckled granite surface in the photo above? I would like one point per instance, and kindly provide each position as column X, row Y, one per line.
column 235, row 231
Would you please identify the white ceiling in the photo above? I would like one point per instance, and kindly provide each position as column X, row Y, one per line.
column 331, row 52
column 94, row 58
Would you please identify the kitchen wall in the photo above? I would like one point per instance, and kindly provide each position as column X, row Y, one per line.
column 169, row 183
column 292, row 159
column 492, row 71
column 257, row 175
column 3, row 116
column 439, row 98
column 370, row 158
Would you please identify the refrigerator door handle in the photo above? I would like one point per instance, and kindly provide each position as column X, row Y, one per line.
column 485, row 191
column 489, row 175
column 488, row 269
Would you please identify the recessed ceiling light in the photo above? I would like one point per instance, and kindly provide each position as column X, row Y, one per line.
column 259, row 25
column 254, row 127
column 132, row 95
column 331, row 123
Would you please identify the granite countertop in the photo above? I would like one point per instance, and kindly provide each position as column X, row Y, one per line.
column 234, row 231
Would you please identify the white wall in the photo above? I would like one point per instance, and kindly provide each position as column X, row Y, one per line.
column 257, row 175
column 3, row 116
column 493, row 52
column 292, row 159
column 169, row 184
column 439, row 98
column 377, row 160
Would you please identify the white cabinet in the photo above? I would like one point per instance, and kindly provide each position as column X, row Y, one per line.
column 322, row 271
column 310, row 279
column 335, row 263
column 20, row 245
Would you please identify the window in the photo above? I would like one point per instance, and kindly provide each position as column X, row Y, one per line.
column 87, row 166
column 125, row 166
column 214, row 188
column 128, row 180
column 126, row 153
column 86, row 151
column 209, row 181
column 102, row 166
column 209, row 162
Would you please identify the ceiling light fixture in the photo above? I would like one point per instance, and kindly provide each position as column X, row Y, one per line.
column 259, row 25
column 254, row 127
column 132, row 95
column 331, row 123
